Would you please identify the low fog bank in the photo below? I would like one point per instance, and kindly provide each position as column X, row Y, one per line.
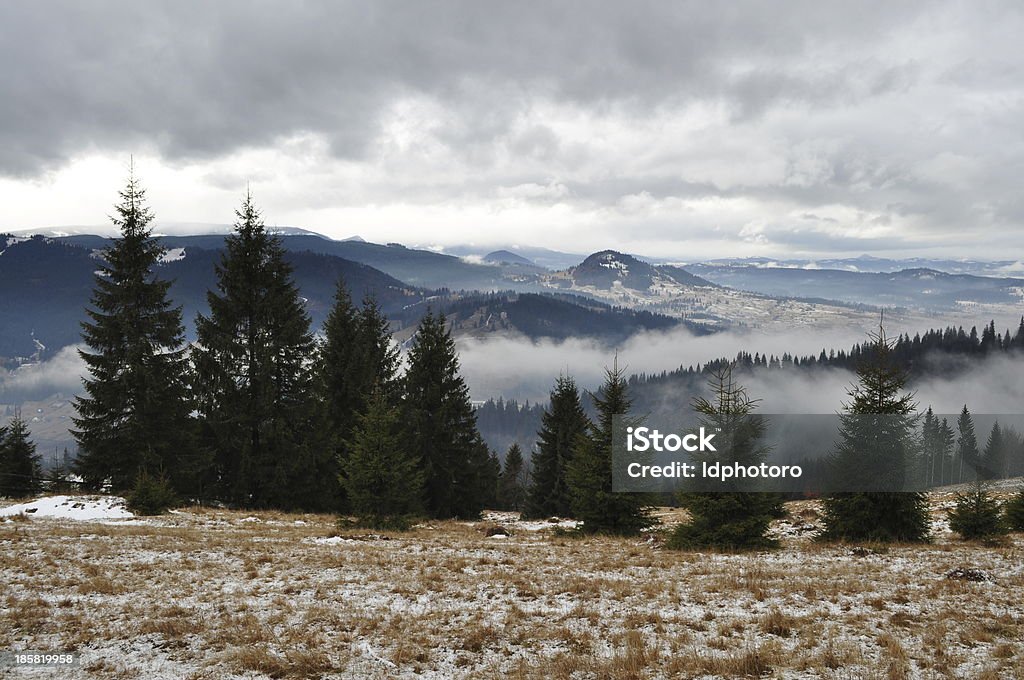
column 989, row 386
column 517, row 368
column 993, row 386
column 60, row 374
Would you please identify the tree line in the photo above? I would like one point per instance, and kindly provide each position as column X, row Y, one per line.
column 258, row 412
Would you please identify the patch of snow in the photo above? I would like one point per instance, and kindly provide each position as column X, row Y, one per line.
column 71, row 507
column 331, row 540
column 173, row 255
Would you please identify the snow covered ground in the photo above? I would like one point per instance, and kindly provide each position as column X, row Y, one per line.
column 209, row 594
column 71, row 507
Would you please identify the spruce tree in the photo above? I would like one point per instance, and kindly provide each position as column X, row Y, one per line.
column 380, row 357
column 968, row 458
column 21, row 474
column 562, row 424
column 383, row 480
column 733, row 519
column 590, row 471
column 930, row 447
column 1014, row 511
column 512, row 482
column 993, row 460
column 135, row 412
column 977, row 516
column 355, row 358
column 875, row 444
column 339, row 366
column 253, row 378
column 489, row 480
column 946, row 438
column 441, row 426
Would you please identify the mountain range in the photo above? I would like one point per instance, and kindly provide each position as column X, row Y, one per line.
column 45, row 283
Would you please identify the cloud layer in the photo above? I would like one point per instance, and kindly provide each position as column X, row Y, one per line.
column 722, row 128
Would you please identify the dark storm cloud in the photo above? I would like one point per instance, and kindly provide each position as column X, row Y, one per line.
column 893, row 123
column 201, row 79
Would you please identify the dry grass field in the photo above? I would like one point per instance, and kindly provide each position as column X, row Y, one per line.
column 210, row 594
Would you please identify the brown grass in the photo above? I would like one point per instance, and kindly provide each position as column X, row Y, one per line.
column 211, row 595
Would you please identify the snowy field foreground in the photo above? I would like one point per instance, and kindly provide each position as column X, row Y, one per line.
column 205, row 593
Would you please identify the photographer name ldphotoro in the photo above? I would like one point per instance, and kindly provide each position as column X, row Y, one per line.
column 643, row 439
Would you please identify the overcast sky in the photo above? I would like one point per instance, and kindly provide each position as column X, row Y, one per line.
column 673, row 129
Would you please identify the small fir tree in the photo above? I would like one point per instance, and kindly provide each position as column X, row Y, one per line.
column 590, row 471
column 21, row 474
column 977, row 516
column 382, row 479
column 733, row 519
column 875, row 444
column 1013, row 511
column 512, row 482
column 151, row 495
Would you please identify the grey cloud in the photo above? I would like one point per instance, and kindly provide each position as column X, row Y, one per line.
column 905, row 114
column 198, row 79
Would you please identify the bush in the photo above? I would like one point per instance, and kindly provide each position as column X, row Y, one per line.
column 977, row 516
column 733, row 521
column 151, row 495
column 1014, row 512
column 883, row 516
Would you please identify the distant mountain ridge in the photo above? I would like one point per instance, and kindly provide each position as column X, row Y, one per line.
column 877, row 265
column 506, row 257
column 608, row 268
column 45, row 285
column 917, row 288
column 539, row 316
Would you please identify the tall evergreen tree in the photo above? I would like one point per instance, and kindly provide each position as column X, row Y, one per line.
column 441, row 426
column 947, row 438
column 380, row 356
column 734, row 519
column 135, row 412
column 968, row 458
column 930, row 447
column 489, row 480
column 355, row 359
column 590, row 470
column 382, row 479
column 253, row 378
column 994, row 459
column 562, row 424
column 21, row 474
column 875, row 443
column 512, row 482
column 339, row 366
